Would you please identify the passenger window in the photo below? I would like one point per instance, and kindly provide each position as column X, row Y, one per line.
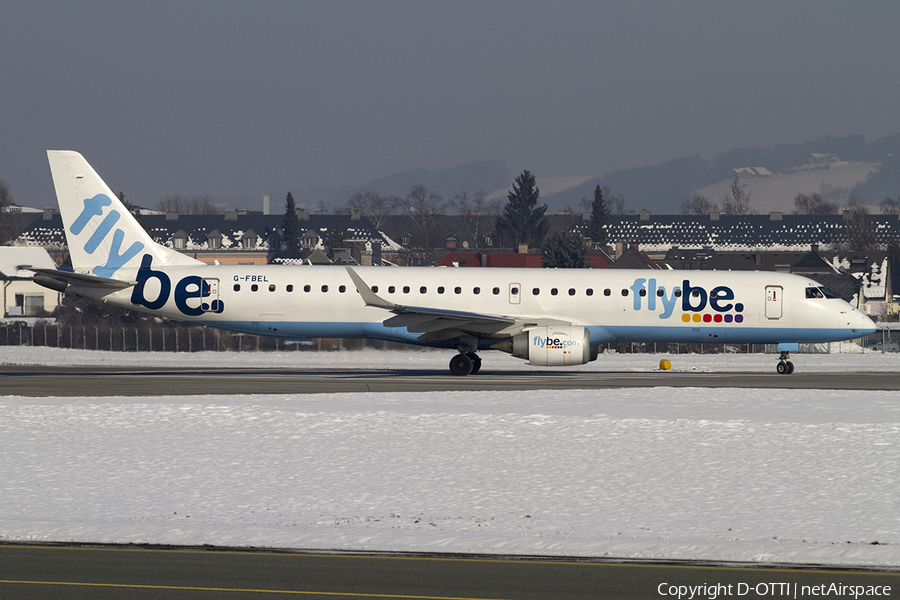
column 496, row 291
column 306, row 288
column 589, row 292
column 405, row 289
column 625, row 292
column 553, row 291
column 678, row 293
column 375, row 289
column 476, row 291
column 571, row 291
column 441, row 290
column 660, row 292
column 237, row 287
column 514, row 291
column 324, row 288
column 607, row 292
column 290, row 287
column 457, row 290
column 423, row 290
column 536, row 291
column 643, row 292
column 271, row 287
column 695, row 293
column 254, row 288
column 342, row 289
column 391, row 289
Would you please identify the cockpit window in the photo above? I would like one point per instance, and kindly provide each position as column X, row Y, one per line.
column 812, row 292
column 828, row 293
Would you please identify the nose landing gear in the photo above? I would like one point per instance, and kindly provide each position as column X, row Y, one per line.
column 785, row 367
column 465, row 363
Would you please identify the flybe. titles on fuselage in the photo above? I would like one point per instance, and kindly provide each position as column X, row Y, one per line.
column 649, row 295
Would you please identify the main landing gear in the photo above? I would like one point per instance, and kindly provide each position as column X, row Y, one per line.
column 785, row 367
column 465, row 363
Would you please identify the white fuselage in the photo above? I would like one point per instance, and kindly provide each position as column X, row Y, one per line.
column 301, row 302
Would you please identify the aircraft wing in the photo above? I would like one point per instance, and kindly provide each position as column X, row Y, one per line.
column 59, row 280
column 439, row 324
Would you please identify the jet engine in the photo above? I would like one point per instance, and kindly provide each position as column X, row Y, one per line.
column 557, row 346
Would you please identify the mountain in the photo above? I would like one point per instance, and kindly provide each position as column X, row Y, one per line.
column 661, row 188
column 870, row 171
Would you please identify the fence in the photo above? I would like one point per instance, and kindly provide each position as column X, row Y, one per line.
column 181, row 338
column 157, row 338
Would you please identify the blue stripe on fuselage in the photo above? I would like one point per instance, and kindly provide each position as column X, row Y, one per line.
column 598, row 335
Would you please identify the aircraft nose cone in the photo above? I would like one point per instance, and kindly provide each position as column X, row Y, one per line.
column 862, row 324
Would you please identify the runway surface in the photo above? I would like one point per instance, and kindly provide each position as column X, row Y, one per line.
column 34, row 571
column 76, row 572
column 38, row 381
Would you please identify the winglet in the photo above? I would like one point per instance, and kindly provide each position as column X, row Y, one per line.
column 370, row 297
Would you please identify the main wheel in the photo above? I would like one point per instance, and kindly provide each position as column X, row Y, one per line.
column 461, row 364
column 782, row 368
column 476, row 362
column 790, row 367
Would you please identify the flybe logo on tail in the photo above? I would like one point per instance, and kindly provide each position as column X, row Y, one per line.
column 93, row 207
column 690, row 298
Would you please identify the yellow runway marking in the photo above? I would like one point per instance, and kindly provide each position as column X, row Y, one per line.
column 245, row 590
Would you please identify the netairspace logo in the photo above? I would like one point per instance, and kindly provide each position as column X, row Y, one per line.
column 772, row 590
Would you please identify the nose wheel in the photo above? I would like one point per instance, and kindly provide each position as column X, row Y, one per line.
column 465, row 363
column 784, row 367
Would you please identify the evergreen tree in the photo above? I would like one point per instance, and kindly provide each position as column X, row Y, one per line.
column 522, row 220
column 290, row 226
column 599, row 216
column 335, row 240
column 7, row 220
column 565, row 250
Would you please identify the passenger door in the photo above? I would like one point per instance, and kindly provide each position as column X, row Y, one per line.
column 773, row 301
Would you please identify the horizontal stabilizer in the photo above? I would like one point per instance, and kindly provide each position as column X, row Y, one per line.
column 60, row 280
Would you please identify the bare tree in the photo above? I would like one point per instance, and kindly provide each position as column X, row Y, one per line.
column 889, row 206
column 698, row 205
column 738, row 202
column 616, row 202
column 478, row 215
column 859, row 231
column 813, row 204
column 426, row 211
column 378, row 209
column 197, row 205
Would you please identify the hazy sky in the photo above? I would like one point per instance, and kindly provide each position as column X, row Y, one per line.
column 229, row 98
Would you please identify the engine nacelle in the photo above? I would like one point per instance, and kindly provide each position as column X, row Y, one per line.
column 557, row 346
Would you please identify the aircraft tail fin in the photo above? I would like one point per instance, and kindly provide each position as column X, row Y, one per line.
column 103, row 236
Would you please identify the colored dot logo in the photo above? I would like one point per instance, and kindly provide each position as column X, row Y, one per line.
column 708, row 318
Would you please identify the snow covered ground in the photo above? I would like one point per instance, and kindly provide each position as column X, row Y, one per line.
column 724, row 474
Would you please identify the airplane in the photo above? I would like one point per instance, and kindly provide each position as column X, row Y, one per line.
column 549, row 317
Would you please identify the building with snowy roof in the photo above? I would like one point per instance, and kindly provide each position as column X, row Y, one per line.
column 238, row 237
column 21, row 296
